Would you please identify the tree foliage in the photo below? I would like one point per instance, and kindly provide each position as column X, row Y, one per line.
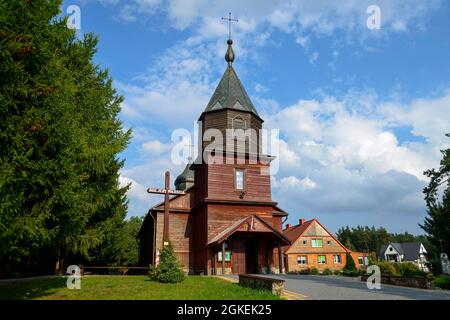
column 350, row 265
column 120, row 246
column 370, row 239
column 169, row 269
column 437, row 197
column 60, row 137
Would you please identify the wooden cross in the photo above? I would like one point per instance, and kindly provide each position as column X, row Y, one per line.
column 229, row 19
column 166, row 192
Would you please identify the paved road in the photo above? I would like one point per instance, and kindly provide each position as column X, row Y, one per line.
column 346, row 288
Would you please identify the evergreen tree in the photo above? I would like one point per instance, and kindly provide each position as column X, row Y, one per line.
column 169, row 269
column 437, row 197
column 350, row 265
column 59, row 137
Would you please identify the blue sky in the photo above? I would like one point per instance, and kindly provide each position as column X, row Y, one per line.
column 361, row 112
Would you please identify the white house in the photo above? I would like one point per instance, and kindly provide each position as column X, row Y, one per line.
column 408, row 251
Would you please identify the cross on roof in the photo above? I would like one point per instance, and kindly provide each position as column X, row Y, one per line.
column 229, row 19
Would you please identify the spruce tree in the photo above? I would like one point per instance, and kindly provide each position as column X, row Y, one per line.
column 169, row 269
column 60, row 137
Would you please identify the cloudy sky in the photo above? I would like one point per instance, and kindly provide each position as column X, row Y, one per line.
column 362, row 112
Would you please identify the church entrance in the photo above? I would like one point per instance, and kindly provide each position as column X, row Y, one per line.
column 251, row 256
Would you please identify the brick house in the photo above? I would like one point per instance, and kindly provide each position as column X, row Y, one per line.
column 312, row 245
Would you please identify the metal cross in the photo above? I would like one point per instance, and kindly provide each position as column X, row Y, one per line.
column 229, row 19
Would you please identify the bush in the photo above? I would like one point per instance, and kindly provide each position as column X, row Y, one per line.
column 387, row 268
column 442, row 282
column 327, row 272
column 337, row 272
column 408, row 269
column 350, row 273
column 169, row 269
column 304, row 271
column 314, row 270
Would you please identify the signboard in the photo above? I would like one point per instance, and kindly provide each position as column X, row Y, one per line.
column 227, row 256
column 164, row 191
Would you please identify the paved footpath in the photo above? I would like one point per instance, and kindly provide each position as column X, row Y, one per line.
column 312, row 287
column 346, row 288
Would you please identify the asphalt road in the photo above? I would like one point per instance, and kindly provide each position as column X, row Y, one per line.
column 345, row 288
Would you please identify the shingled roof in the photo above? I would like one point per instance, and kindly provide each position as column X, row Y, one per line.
column 230, row 93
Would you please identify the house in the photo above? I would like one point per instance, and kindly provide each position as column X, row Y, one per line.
column 312, row 245
column 407, row 251
column 225, row 220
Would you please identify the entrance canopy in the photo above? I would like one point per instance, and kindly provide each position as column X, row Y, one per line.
column 249, row 224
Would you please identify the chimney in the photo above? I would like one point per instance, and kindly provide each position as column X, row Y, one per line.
column 301, row 221
column 288, row 225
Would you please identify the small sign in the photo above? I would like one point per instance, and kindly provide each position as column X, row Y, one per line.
column 164, row 191
column 227, row 256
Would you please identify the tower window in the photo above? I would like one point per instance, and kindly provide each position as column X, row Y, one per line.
column 239, row 179
column 238, row 123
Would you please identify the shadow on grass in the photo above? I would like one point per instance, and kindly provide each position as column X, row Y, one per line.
column 32, row 289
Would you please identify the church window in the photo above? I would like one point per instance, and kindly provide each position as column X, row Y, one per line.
column 240, row 176
column 238, row 123
column 317, row 243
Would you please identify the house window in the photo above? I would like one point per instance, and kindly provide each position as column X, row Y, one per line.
column 302, row 260
column 328, row 242
column 337, row 258
column 240, row 174
column 321, row 260
column 305, row 242
column 361, row 261
column 317, row 243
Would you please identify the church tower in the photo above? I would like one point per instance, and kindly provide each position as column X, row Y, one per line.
column 226, row 221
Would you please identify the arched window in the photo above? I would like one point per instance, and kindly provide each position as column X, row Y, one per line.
column 238, row 123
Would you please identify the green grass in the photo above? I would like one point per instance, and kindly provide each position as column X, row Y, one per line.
column 442, row 282
column 131, row 287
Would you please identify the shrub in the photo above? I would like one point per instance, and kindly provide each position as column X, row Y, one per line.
column 408, row 269
column 349, row 264
column 314, row 270
column 337, row 272
column 350, row 273
column 442, row 282
column 387, row 268
column 327, row 272
column 305, row 271
column 169, row 269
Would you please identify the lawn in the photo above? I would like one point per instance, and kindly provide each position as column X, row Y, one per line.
column 131, row 287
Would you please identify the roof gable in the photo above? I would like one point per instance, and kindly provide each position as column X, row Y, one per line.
column 309, row 228
column 251, row 223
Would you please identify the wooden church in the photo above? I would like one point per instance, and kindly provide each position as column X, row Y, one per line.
column 226, row 221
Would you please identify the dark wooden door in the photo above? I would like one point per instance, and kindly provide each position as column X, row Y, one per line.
column 238, row 256
column 251, row 256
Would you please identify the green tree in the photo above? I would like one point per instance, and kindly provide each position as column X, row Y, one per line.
column 437, row 197
column 350, row 265
column 120, row 246
column 169, row 269
column 59, row 137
